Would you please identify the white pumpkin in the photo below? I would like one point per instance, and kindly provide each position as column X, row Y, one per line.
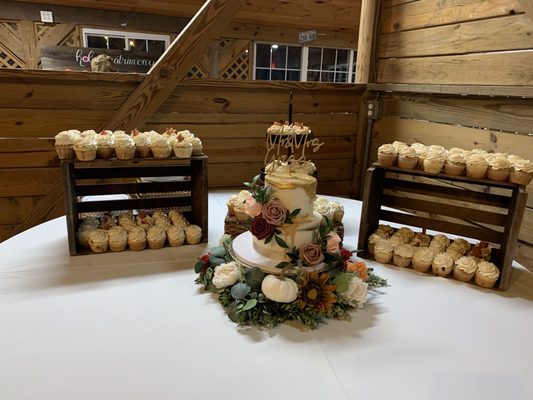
column 280, row 290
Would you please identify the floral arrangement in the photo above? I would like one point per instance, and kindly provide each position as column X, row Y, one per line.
column 320, row 280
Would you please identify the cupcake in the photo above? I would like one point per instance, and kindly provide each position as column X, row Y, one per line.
column 124, row 146
column 486, row 274
column 464, row 269
column 399, row 146
column 421, row 151
column 177, row 219
column 439, row 243
column 85, row 148
column 82, row 235
column 144, row 221
column 338, row 211
column 499, row 168
column 137, row 239
column 239, row 210
column 455, row 251
column 118, row 238
column 387, row 155
column 182, row 148
column 521, row 172
column 482, row 250
column 463, row 244
column 420, row 239
column 160, row 147
column 455, row 163
column 385, row 231
column 105, row 144
column 476, row 166
column 442, row 265
column 108, row 222
column 434, row 161
column 402, row 255
column 407, row 158
column 383, row 251
column 197, row 146
column 98, row 241
column 193, row 234
column 156, row 237
column 64, row 142
column 372, row 240
column 142, row 143
column 422, row 258
column 176, row 236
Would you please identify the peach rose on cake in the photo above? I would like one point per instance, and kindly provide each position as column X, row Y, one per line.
column 252, row 207
column 332, row 245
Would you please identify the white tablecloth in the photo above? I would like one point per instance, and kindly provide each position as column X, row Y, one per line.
column 133, row 325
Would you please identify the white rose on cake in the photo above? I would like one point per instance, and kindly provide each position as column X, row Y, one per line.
column 226, row 274
column 355, row 292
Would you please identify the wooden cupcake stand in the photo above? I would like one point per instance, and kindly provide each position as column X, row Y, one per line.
column 479, row 209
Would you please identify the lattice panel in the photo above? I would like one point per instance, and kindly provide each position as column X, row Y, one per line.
column 196, row 72
column 238, row 69
column 8, row 59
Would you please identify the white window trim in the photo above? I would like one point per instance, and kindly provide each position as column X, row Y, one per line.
column 126, row 34
column 305, row 59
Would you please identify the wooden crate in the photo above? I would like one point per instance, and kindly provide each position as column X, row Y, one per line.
column 184, row 187
column 471, row 208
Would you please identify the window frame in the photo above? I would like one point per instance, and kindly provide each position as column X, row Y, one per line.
column 127, row 35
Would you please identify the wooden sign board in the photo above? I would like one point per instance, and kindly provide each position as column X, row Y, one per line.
column 79, row 59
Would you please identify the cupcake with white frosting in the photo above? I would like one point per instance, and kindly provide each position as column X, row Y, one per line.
column 182, row 148
column 476, row 165
column 442, row 265
column 521, row 172
column 455, row 163
column 421, row 151
column 486, row 274
column 160, row 147
column 105, row 144
column 387, row 155
column 124, row 146
column 399, row 146
column 422, row 259
column 499, row 168
column 98, row 241
column 137, row 239
column 464, row 269
column 402, row 255
column 85, row 147
column 176, row 236
column 64, row 142
column 118, row 238
column 197, row 146
column 156, row 237
column 193, row 234
column 372, row 240
column 383, row 251
column 434, row 161
column 142, row 143
column 407, row 158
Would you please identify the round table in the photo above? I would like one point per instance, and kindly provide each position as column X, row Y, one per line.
column 133, row 325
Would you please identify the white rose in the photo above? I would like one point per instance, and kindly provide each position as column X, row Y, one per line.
column 226, row 274
column 356, row 291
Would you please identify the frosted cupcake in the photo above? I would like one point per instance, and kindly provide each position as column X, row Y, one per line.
column 387, row 155
column 464, row 269
column 118, row 238
column 407, row 158
column 476, row 166
column 420, row 239
column 82, row 235
column 421, row 150
column 481, row 250
column 156, row 237
column 193, row 234
column 399, row 146
column 385, row 231
column 372, row 240
column 463, row 244
column 439, row 243
column 182, row 148
column 176, row 236
column 64, row 142
column 137, row 239
column 442, row 265
column 144, row 221
column 197, row 146
column 108, row 222
column 499, row 168
column 85, row 148
column 455, row 251
column 422, row 258
column 160, row 147
column 434, row 161
column 486, row 274
column 178, row 219
column 402, row 255
column 142, row 143
column 98, row 241
column 124, row 146
column 383, row 252
column 521, row 172
column 105, row 144
column 455, row 163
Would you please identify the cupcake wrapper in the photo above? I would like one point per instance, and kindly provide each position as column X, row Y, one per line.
column 182, row 152
column 137, row 246
column 175, row 243
column 105, row 152
column 125, row 153
column 462, row 276
column 86, row 155
column 420, row 266
column 65, row 152
column 143, row 151
column 193, row 239
column 161, row 152
column 156, row 244
column 118, row 246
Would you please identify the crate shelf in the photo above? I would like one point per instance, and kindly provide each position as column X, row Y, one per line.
column 182, row 184
column 479, row 209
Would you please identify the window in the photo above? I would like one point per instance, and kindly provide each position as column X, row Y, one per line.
column 144, row 42
column 296, row 63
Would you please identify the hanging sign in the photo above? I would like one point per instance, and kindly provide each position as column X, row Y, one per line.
column 307, row 36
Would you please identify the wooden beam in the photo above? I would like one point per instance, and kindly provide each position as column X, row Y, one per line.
column 527, row 5
column 364, row 46
column 172, row 67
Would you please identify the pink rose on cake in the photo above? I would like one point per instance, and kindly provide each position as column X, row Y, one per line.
column 274, row 212
column 332, row 245
column 261, row 229
column 252, row 207
column 311, row 254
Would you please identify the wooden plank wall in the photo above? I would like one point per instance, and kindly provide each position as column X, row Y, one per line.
column 480, row 54
column 230, row 116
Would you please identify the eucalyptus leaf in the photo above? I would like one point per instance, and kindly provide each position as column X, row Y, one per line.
column 215, row 261
column 283, row 264
column 249, row 305
column 281, row 242
column 269, row 239
column 232, row 312
column 198, row 266
column 254, row 277
column 218, row 251
column 240, row 290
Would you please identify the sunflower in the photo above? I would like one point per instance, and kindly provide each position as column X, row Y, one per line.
column 315, row 292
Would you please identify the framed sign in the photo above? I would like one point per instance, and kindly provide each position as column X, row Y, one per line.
column 79, row 59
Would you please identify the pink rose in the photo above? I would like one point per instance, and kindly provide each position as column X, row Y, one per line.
column 252, row 207
column 332, row 245
column 311, row 254
column 274, row 212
